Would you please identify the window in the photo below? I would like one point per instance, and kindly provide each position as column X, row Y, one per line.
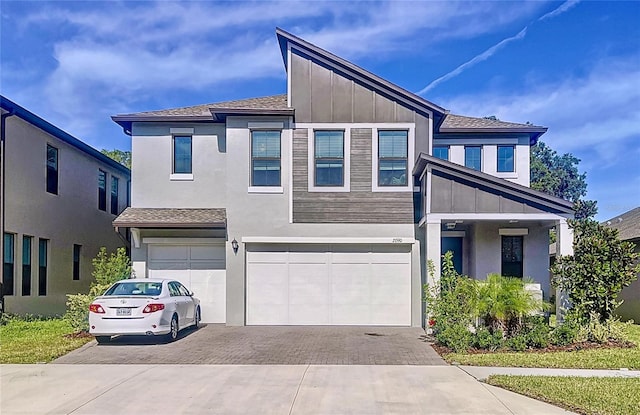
column 329, row 158
column 76, row 261
column 265, row 158
column 52, row 169
column 128, row 193
column 182, row 154
column 174, row 291
column 114, row 195
column 102, row 190
column 26, row 265
column 441, row 152
column 392, row 158
column 473, row 157
column 506, row 159
column 42, row 266
column 512, row 256
column 7, row 264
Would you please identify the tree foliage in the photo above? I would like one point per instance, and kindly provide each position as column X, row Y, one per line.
column 558, row 175
column 122, row 157
column 600, row 267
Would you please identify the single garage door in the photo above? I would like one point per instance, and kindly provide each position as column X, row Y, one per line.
column 201, row 268
column 336, row 284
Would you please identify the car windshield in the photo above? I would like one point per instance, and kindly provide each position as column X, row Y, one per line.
column 135, row 288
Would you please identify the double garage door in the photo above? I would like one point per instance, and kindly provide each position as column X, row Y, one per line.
column 201, row 268
column 336, row 284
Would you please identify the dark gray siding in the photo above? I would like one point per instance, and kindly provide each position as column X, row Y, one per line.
column 361, row 205
column 323, row 96
column 451, row 196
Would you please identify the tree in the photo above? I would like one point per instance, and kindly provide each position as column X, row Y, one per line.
column 558, row 175
column 600, row 267
column 122, row 157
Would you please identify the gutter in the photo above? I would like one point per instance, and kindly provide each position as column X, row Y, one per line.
column 3, row 129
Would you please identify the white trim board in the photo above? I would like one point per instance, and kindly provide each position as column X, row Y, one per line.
column 183, row 241
column 325, row 240
column 492, row 216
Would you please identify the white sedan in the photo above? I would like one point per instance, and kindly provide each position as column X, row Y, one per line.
column 143, row 306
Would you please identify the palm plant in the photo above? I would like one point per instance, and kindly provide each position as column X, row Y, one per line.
column 503, row 301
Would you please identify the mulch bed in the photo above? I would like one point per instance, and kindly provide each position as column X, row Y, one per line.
column 551, row 348
column 78, row 335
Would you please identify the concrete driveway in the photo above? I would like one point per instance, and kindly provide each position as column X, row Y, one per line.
column 285, row 345
column 261, row 389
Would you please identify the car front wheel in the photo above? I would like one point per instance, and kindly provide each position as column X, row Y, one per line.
column 103, row 339
column 173, row 333
column 196, row 323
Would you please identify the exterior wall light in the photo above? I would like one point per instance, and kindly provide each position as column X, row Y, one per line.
column 235, row 246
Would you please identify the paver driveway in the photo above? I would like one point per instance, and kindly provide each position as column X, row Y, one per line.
column 290, row 345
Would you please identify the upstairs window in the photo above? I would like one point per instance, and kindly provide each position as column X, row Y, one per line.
column 52, row 169
column 392, row 158
column 473, row 157
column 265, row 158
column 102, row 190
column 182, row 150
column 506, row 161
column 114, row 195
column 8, row 264
column 26, row 265
column 329, row 158
column 441, row 152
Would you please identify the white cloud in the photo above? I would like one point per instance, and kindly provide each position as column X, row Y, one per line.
column 561, row 9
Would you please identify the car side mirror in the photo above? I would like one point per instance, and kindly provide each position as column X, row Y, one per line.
column 190, row 293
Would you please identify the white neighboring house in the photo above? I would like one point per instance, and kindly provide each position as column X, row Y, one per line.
column 59, row 197
column 323, row 205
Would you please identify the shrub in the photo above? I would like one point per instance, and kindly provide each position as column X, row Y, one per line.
column 565, row 333
column 455, row 336
column 484, row 339
column 600, row 267
column 517, row 342
column 602, row 332
column 78, row 311
column 537, row 332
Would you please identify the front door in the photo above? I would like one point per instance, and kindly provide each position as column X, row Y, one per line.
column 453, row 244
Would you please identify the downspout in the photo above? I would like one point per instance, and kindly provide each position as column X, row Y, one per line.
column 3, row 119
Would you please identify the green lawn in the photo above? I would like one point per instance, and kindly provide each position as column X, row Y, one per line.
column 36, row 341
column 585, row 359
column 602, row 396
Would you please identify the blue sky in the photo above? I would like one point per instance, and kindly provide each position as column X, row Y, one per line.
column 571, row 66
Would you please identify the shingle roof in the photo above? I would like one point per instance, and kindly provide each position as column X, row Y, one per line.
column 277, row 102
column 627, row 224
column 171, row 218
column 461, row 122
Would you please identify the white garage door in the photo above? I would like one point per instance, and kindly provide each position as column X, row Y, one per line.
column 329, row 285
column 201, row 268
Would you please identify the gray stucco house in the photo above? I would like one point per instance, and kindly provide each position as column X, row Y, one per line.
column 323, row 205
column 59, row 198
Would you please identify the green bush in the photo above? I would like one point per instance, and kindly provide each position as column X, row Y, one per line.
column 107, row 269
column 602, row 332
column 537, row 332
column 455, row 336
column 517, row 342
column 484, row 339
column 566, row 333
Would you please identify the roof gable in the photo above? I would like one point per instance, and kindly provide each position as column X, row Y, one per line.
column 627, row 224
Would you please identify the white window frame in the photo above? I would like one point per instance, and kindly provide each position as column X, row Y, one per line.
column 265, row 126
column 411, row 145
column 311, row 156
column 181, row 132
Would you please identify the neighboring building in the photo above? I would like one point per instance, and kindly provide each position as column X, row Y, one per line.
column 59, row 197
column 322, row 206
column 628, row 226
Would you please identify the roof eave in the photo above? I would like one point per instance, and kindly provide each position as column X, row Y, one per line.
column 220, row 114
column 539, row 130
column 171, row 225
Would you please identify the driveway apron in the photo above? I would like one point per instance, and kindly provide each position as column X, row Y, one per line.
column 280, row 345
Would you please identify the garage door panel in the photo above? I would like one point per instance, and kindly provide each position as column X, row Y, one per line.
column 389, row 258
column 351, row 294
column 392, row 315
column 168, row 252
column 261, row 314
column 350, row 258
column 351, row 314
column 309, row 273
column 307, row 314
column 308, row 258
column 207, row 252
column 276, row 257
column 390, row 273
column 351, row 273
column 390, row 294
column 313, row 294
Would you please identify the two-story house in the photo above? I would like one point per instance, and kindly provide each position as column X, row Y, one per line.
column 59, row 198
column 323, row 205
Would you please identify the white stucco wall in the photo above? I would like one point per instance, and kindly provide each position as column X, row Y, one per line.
column 68, row 218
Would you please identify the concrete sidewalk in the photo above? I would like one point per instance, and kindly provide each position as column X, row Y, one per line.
column 483, row 372
column 261, row 389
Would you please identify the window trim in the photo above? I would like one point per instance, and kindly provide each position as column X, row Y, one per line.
column 106, row 179
column 267, row 188
column 411, row 159
column 406, row 160
column 346, row 158
column 57, row 170
column 502, row 259
column 513, row 147
column 181, row 175
column 481, row 147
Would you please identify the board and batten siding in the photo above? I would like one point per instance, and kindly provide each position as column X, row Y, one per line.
column 451, row 196
column 360, row 205
column 320, row 95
